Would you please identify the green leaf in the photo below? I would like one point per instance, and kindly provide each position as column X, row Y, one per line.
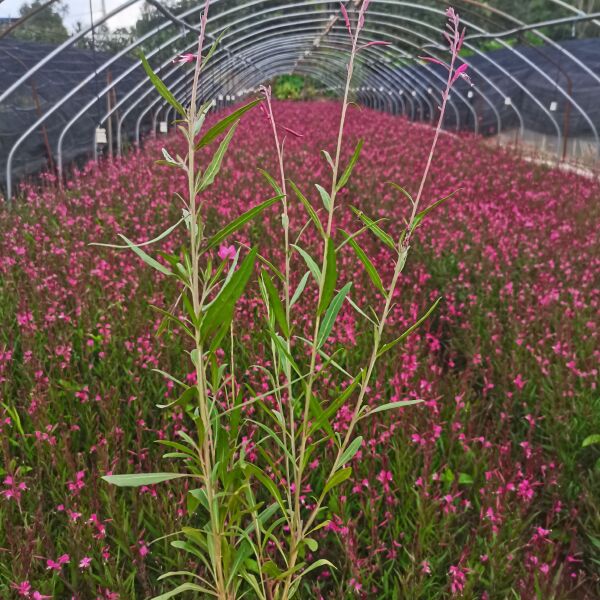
column 223, row 124
column 330, row 277
column 212, row 49
column 318, row 414
column 339, row 477
column 465, row 479
column 322, row 562
column 334, row 406
column 271, row 181
column 242, row 553
column 162, row 88
column 372, row 225
column 346, row 174
column 325, row 197
column 214, row 167
column 367, row 263
column 220, row 312
column 146, row 257
column 163, row 235
column 390, row 345
column 331, row 315
column 313, row 545
column 309, row 209
column 138, row 479
column 403, row 190
column 267, row 482
column 185, row 587
column 351, row 450
column 421, row 215
column 190, row 395
column 236, row 224
column 591, row 439
column 300, row 288
column 390, row 406
column 275, row 304
column 328, row 158
column 310, row 263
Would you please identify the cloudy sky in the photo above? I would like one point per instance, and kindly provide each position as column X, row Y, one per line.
column 79, row 10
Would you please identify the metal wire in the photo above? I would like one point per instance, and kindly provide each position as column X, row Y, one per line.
column 264, row 41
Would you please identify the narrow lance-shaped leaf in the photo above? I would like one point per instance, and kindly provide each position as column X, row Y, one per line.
column 328, row 158
column 300, row 288
column 421, row 215
column 332, row 409
column 236, row 224
column 145, row 257
column 372, row 225
column 331, row 315
column 139, row 479
column 310, row 263
column 390, row 345
column 339, row 477
column 325, row 197
column 185, row 587
column 309, row 209
column 159, row 237
column 162, row 88
column 215, row 164
column 403, row 191
column 223, row 124
column 390, row 406
column 221, row 310
column 351, row 450
column 271, row 180
column 330, row 277
column 367, row 263
column 275, row 304
column 213, row 47
column 348, row 171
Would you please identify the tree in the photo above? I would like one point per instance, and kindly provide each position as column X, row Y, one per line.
column 46, row 26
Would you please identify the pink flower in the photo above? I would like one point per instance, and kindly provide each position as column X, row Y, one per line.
column 519, row 381
column 346, row 18
column 185, row 58
column 459, row 578
column 23, row 588
column 460, row 72
column 292, row 131
column 85, row 562
column 227, row 252
column 57, row 565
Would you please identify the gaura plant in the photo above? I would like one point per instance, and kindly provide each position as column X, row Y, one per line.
column 301, row 423
column 250, row 531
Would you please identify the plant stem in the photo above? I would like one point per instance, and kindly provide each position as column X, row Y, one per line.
column 297, row 533
column 207, row 454
column 403, row 248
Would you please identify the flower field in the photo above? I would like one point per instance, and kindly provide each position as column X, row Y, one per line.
column 482, row 491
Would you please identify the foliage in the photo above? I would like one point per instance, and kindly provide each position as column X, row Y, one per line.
column 482, row 490
column 47, row 26
column 506, row 369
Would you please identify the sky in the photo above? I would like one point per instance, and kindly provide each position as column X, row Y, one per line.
column 79, row 10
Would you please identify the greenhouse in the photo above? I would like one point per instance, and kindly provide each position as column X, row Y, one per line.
column 300, row 299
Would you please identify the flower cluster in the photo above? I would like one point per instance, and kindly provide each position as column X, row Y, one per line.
column 482, row 489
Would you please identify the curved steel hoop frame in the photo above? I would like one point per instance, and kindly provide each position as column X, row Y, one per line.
column 266, row 41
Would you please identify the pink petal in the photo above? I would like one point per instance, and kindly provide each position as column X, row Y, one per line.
column 435, row 61
column 375, row 44
column 300, row 135
column 346, row 18
column 459, row 72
